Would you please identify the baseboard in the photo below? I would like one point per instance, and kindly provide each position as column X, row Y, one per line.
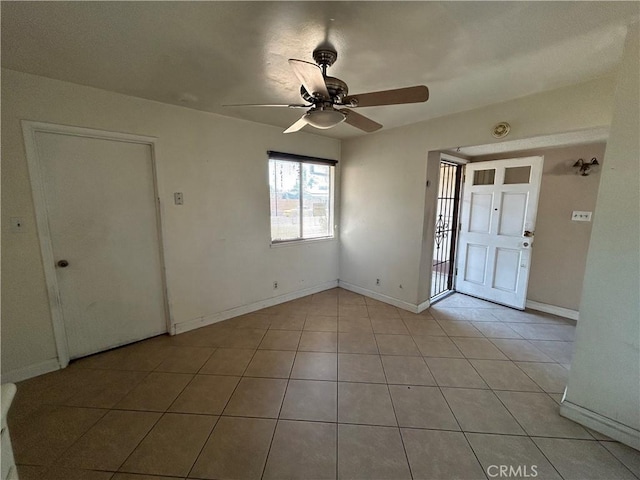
column 384, row 298
column 31, row 371
column 423, row 306
column 252, row 307
column 559, row 311
column 611, row 428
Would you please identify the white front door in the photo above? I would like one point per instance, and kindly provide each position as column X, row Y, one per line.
column 499, row 204
column 101, row 211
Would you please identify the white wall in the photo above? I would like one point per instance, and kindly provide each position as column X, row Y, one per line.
column 388, row 213
column 604, row 382
column 216, row 245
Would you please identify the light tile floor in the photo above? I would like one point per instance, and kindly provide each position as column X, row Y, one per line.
column 330, row 385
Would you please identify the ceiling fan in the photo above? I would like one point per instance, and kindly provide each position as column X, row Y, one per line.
column 327, row 97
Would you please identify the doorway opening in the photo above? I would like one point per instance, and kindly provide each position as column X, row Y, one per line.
column 446, row 229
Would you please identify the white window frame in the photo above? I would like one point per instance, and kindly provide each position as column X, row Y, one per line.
column 303, row 159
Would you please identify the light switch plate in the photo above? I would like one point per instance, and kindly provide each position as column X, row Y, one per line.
column 577, row 216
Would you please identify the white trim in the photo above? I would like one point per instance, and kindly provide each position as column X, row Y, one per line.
column 605, row 425
column 423, row 306
column 411, row 307
column 252, row 307
column 31, row 371
column 451, row 158
column 29, row 131
column 559, row 311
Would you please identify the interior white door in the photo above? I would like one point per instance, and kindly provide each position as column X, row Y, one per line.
column 100, row 200
column 497, row 224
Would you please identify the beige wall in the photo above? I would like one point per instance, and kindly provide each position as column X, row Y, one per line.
column 215, row 161
column 388, row 212
column 604, row 382
column 560, row 248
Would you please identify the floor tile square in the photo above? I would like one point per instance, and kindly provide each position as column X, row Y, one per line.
column 316, row 323
column 62, row 473
column 271, row 363
column 315, row 366
column 397, row 345
column 326, row 309
column 629, row 457
column 389, row 325
column 532, row 331
column 496, row 450
column 422, row 407
column 582, row 460
column 382, row 310
column 365, row 403
column 44, row 435
column 353, row 311
column 354, row 367
column 480, row 411
column 551, row 377
column 357, row 343
column 463, row 314
column 185, row 359
column 520, row 350
column 243, row 338
column 352, row 324
column 228, row 361
column 99, row 388
column 206, row 394
column 539, row 415
column 110, row 441
column 407, row 371
column 156, row 392
column 345, row 297
column 257, row 397
column 438, row 455
column 479, row 348
column 459, row 328
column 504, row 375
column 455, row 372
column 237, row 448
column 280, row 340
column 424, row 327
column 318, row 342
column 313, row 400
column 302, row 450
column 431, row 346
column 367, row 452
column 287, row 322
column 496, row 330
column 160, row 454
column 561, row 352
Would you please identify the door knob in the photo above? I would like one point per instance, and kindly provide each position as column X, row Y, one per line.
column 527, row 233
column 526, row 244
column 63, row 263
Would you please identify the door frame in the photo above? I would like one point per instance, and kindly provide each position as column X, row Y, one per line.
column 29, row 131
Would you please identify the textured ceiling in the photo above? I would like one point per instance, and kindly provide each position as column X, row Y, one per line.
column 205, row 54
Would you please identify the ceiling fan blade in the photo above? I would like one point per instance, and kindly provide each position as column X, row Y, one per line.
column 310, row 75
column 295, row 105
column 415, row 94
column 360, row 121
column 298, row 125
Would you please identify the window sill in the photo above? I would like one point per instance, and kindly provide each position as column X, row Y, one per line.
column 290, row 243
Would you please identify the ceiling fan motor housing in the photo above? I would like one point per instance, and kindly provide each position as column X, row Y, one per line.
column 325, row 57
column 336, row 87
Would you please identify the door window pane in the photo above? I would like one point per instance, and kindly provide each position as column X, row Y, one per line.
column 484, row 177
column 513, row 175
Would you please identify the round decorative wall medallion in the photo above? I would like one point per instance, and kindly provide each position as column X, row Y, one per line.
column 501, row 129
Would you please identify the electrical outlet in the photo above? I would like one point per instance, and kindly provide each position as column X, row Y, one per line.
column 275, row 285
column 577, row 216
column 177, row 198
column 377, row 281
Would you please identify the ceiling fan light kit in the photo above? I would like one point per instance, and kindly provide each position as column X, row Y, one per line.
column 324, row 93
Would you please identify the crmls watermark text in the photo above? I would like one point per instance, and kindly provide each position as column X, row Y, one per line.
column 506, row 471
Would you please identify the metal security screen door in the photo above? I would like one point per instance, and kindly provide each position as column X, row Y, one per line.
column 497, row 224
column 445, row 228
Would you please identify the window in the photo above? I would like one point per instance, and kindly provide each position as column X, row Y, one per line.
column 301, row 197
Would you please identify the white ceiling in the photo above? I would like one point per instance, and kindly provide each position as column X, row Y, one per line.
column 205, row 54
